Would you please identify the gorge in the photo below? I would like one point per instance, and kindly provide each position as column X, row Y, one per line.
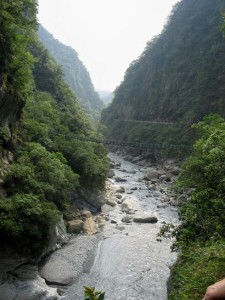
column 128, row 262
column 75, row 213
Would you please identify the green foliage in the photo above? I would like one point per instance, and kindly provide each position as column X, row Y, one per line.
column 178, row 78
column 198, row 267
column 203, row 216
column 25, row 223
column 61, row 125
column 76, row 75
column 42, row 173
column 223, row 25
column 17, row 23
column 53, row 156
column 90, row 294
column 4, row 135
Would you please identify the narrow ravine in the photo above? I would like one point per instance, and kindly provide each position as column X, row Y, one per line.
column 125, row 260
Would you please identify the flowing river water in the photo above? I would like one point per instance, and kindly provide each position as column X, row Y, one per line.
column 128, row 262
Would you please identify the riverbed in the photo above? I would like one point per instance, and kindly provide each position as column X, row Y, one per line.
column 125, row 260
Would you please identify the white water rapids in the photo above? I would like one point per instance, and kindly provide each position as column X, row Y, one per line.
column 128, row 263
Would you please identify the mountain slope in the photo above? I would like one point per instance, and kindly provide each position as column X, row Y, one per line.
column 76, row 74
column 46, row 156
column 106, row 97
column 178, row 78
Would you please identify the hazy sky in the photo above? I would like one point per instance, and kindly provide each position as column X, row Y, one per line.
column 107, row 34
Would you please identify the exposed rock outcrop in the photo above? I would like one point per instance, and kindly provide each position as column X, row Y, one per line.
column 19, row 277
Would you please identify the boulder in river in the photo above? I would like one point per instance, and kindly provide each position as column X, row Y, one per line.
column 111, row 202
column 152, row 174
column 129, row 206
column 127, row 219
column 162, row 205
column 75, row 226
column 86, row 213
column 120, row 179
column 120, row 227
column 89, row 226
column 119, row 201
column 27, row 290
column 111, row 173
column 145, row 219
column 120, row 189
column 134, row 188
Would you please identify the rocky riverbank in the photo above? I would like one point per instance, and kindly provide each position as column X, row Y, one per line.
column 138, row 200
column 19, row 278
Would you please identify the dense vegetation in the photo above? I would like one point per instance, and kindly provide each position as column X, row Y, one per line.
column 201, row 234
column 52, row 154
column 203, row 217
column 17, row 22
column 178, row 78
column 76, row 75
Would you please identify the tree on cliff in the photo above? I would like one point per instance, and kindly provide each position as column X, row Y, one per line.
column 52, row 152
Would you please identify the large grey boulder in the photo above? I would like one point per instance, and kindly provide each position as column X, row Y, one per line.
column 65, row 265
column 27, row 290
column 145, row 219
column 152, row 174
column 120, row 179
column 19, row 274
column 111, row 173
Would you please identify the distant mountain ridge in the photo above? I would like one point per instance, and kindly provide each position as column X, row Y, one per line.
column 76, row 74
column 106, row 97
column 178, row 78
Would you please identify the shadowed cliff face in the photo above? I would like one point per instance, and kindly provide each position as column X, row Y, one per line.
column 18, row 21
column 10, row 110
column 180, row 75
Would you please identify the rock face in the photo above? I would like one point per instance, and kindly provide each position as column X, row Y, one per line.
column 19, row 277
column 92, row 200
column 58, row 237
column 27, row 290
column 65, row 265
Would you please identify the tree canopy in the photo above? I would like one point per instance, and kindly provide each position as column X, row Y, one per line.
column 178, row 78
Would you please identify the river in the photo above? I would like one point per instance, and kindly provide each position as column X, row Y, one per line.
column 129, row 263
